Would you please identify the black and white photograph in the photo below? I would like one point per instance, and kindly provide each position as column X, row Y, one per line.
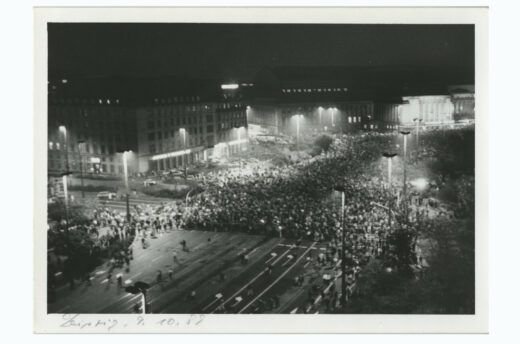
column 248, row 168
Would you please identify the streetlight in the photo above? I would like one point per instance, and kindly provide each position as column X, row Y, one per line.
column 417, row 121
column 341, row 189
column 298, row 117
column 125, row 171
column 80, row 144
column 332, row 116
column 405, row 134
column 389, row 157
column 63, row 130
column 139, row 288
column 183, row 133
column 64, row 176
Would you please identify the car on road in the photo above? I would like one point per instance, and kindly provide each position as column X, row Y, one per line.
column 149, row 182
column 106, row 195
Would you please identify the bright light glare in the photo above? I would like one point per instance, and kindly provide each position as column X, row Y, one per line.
column 420, row 183
column 229, row 86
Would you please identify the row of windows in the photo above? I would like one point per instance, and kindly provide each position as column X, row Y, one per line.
column 354, row 119
column 313, row 90
column 176, row 99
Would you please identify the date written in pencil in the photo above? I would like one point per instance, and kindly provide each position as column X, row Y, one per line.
column 85, row 322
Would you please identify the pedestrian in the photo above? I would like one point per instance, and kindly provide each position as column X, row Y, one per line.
column 119, row 281
column 143, row 242
column 170, row 274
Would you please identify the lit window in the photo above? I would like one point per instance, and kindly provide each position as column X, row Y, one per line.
column 359, row 118
column 57, row 145
column 51, row 145
column 319, row 89
column 350, row 119
column 354, row 120
column 100, row 101
column 108, row 101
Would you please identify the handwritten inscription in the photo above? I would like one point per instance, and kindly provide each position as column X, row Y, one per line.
column 85, row 322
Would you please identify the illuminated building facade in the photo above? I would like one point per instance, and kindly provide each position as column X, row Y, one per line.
column 346, row 99
column 165, row 123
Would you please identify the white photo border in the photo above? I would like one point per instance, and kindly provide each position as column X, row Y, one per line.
column 194, row 323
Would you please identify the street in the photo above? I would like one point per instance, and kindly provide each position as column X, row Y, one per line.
column 212, row 267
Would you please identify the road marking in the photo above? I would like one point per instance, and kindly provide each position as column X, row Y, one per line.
column 299, row 246
column 294, row 311
column 326, row 290
column 217, row 297
column 100, row 272
column 273, row 255
column 254, row 279
column 289, row 258
column 134, row 276
column 196, row 247
column 238, row 299
column 278, row 279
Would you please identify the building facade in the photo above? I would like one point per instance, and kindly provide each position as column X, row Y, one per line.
column 162, row 124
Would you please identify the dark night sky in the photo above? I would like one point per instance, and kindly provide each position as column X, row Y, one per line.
column 239, row 50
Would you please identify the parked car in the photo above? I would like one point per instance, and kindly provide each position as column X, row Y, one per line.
column 149, row 182
column 106, row 195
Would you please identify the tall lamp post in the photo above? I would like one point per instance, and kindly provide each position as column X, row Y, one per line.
column 64, row 175
column 80, row 151
column 405, row 134
column 298, row 118
column 127, row 188
column 417, row 122
column 389, row 157
column 332, row 117
column 183, row 133
column 340, row 188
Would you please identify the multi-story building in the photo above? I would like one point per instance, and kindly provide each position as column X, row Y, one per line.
column 166, row 123
column 330, row 99
column 345, row 99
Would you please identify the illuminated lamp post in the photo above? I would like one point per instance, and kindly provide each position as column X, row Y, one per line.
column 340, row 188
column 298, row 117
column 183, row 133
column 80, row 144
column 417, row 122
column 332, row 117
column 127, row 188
column 405, row 134
column 63, row 130
column 389, row 157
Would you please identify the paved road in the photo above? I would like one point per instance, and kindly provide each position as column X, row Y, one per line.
column 213, row 269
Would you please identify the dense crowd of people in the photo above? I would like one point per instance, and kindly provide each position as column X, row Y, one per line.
column 298, row 200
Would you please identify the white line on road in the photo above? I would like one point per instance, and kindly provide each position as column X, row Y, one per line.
column 254, row 279
column 278, row 279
